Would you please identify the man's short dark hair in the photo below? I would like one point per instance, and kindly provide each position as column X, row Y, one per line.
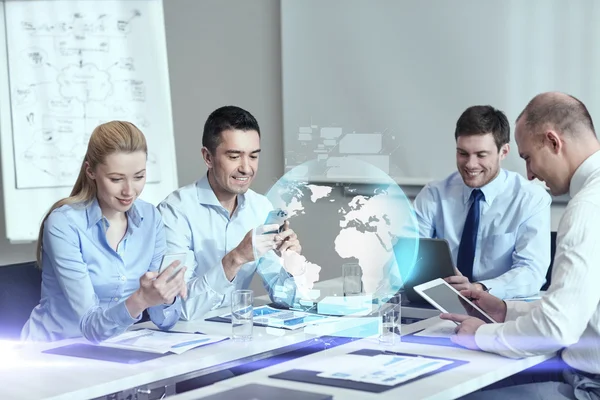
column 481, row 120
column 562, row 112
column 223, row 119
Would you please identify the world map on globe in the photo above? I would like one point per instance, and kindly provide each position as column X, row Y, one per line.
column 356, row 227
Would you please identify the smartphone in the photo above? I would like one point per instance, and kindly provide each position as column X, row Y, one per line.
column 276, row 216
column 168, row 259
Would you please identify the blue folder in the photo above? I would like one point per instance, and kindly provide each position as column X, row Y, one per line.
column 113, row 354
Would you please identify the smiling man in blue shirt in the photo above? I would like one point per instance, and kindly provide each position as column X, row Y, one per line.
column 496, row 222
column 213, row 220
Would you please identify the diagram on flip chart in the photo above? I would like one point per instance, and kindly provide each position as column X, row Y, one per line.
column 71, row 71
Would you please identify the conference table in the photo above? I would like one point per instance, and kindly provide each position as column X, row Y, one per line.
column 27, row 373
column 481, row 370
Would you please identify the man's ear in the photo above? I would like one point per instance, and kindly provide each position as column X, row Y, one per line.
column 504, row 150
column 207, row 157
column 89, row 171
column 554, row 140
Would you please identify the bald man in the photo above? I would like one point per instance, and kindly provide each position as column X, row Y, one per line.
column 556, row 138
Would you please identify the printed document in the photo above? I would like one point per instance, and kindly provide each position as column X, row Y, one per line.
column 382, row 369
column 161, row 341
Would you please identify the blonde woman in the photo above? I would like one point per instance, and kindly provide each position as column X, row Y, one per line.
column 101, row 247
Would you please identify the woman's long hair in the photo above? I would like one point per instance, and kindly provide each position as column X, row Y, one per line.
column 108, row 138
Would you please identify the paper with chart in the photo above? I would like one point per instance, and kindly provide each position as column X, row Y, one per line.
column 74, row 65
column 383, row 369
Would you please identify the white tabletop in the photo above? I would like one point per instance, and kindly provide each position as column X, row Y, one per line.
column 482, row 369
column 26, row 373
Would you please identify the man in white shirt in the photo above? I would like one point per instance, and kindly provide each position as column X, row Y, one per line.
column 556, row 138
column 219, row 221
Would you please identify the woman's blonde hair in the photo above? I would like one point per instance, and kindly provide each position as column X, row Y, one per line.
column 108, row 138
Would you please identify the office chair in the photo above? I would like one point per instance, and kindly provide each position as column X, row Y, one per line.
column 20, row 292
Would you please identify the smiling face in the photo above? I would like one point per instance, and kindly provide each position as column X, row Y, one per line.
column 478, row 159
column 119, row 181
column 233, row 166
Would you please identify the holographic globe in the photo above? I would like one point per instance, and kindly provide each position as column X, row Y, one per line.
column 359, row 214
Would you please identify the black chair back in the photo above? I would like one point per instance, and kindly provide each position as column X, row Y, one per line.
column 20, row 292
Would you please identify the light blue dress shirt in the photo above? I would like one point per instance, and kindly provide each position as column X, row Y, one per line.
column 196, row 223
column 513, row 240
column 85, row 282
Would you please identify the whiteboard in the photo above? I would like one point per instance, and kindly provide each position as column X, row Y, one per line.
column 66, row 67
column 385, row 80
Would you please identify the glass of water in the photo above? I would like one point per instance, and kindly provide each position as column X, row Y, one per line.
column 242, row 315
column 352, row 279
column 390, row 320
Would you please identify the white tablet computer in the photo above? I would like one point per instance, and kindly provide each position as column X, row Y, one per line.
column 445, row 298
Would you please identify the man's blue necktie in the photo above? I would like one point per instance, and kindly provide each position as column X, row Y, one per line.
column 466, row 249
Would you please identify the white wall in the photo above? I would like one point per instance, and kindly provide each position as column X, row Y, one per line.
column 224, row 52
column 401, row 72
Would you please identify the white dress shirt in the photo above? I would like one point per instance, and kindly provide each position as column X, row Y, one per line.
column 568, row 315
column 197, row 224
column 512, row 251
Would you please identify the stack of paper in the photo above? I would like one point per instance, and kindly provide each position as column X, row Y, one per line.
column 161, row 341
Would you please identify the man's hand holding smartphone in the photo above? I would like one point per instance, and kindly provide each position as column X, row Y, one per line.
column 285, row 238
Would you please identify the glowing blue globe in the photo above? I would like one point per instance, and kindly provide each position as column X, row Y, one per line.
column 367, row 220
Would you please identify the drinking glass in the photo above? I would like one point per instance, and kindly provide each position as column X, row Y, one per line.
column 242, row 315
column 390, row 319
column 352, row 276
